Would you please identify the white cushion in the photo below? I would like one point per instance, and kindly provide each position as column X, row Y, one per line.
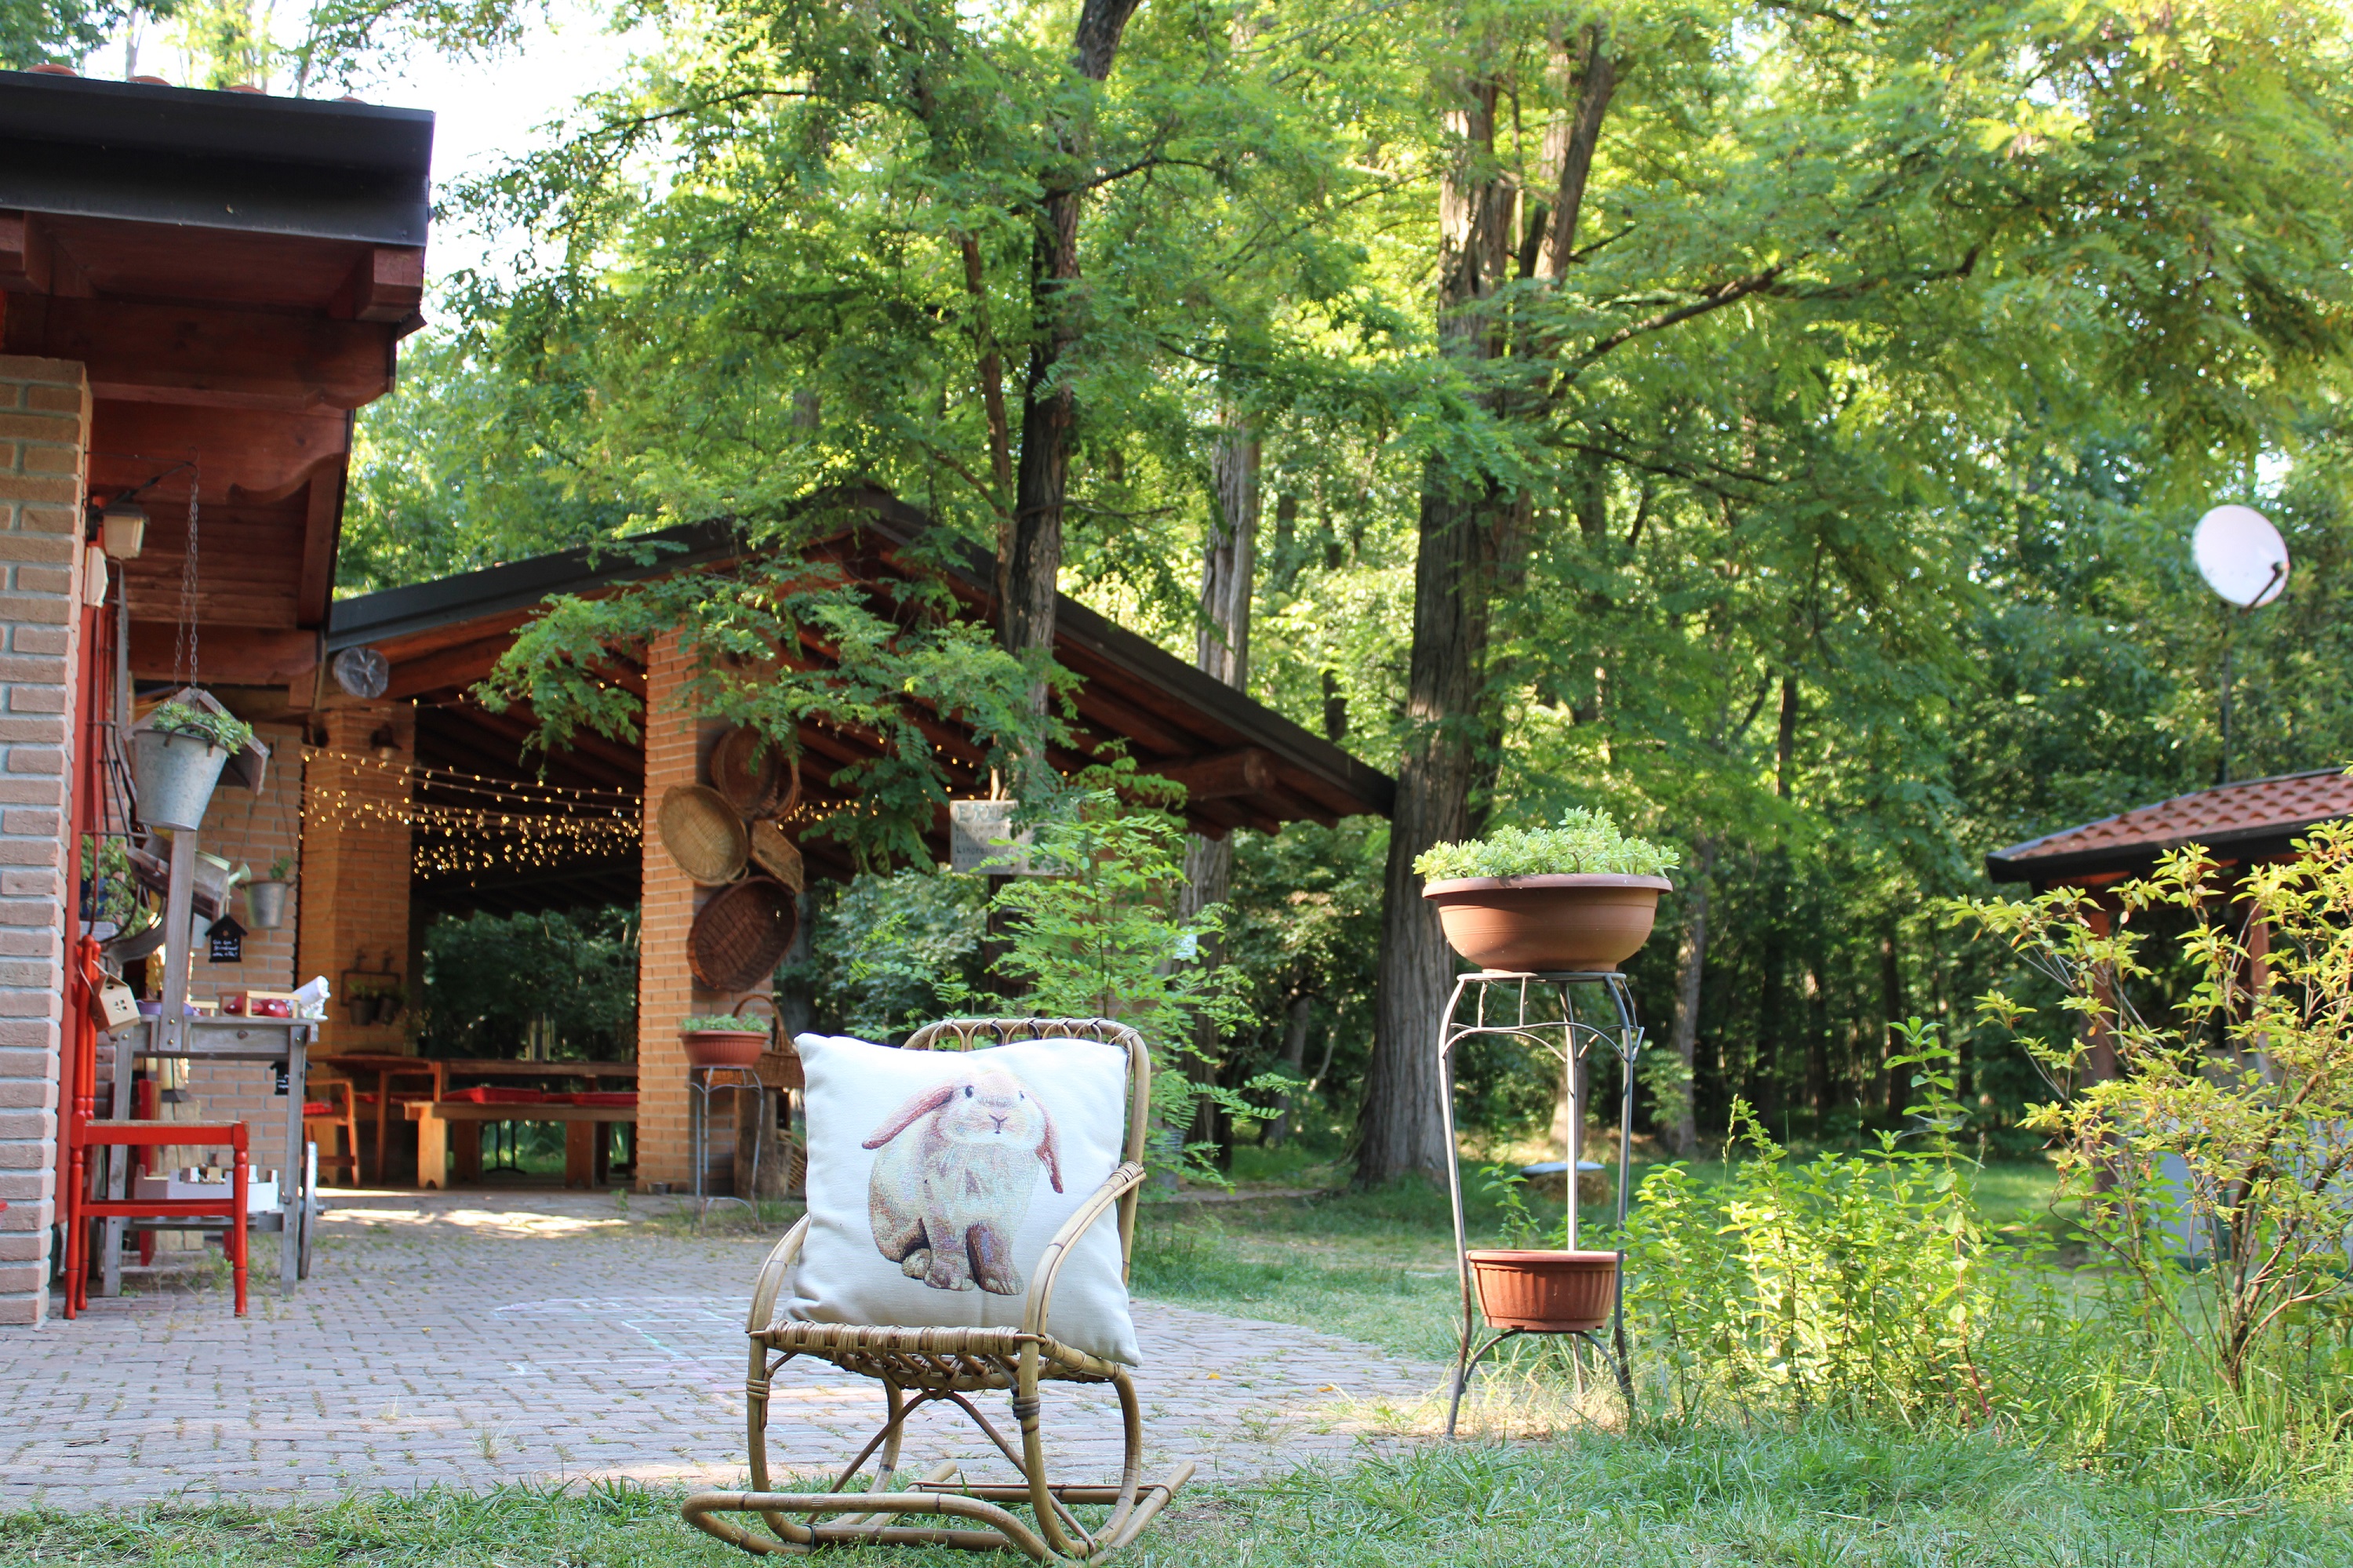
column 996, row 1147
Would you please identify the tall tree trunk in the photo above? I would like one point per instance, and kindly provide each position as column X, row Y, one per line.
column 1029, row 571
column 1400, row 1129
column 1691, row 968
column 1297, row 1013
column 1221, row 649
column 1467, row 527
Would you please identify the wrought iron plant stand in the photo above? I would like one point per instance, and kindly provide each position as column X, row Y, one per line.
column 1571, row 1040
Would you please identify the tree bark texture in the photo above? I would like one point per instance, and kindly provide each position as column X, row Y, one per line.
column 1690, row 969
column 1030, row 567
column 1469, row 530
column 1222, row 650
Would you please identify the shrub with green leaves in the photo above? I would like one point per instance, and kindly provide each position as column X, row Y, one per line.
column 1585, row 842
column 1851, row 1281
column 2216, row 1133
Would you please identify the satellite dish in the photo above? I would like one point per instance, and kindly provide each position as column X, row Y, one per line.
column 2240, row 556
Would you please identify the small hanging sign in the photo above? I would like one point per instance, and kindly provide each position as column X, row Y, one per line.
column 225, row 942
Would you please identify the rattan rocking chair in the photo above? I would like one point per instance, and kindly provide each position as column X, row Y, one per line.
column 923, row 1366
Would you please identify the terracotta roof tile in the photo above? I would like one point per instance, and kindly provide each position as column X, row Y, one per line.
column 2253, row 807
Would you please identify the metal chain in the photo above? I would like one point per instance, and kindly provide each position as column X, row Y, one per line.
column 184, row 635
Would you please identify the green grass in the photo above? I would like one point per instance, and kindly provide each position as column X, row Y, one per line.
column 1379, row 1267
column 1811, row 1493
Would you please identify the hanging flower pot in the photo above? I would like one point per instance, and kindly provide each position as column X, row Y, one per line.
column 177, row 753
column 174, row 775
column 265, row 905
column 1551, row 1292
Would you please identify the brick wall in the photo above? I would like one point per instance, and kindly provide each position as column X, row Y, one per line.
column 678, row 751
column 44, row 438
column 355, row 862
column 244, row 828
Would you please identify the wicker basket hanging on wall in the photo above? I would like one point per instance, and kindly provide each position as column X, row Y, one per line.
column 703, row 834
column 753, row 773
column 776, row 856
column 742, row 934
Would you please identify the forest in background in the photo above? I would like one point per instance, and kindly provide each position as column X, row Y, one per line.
column 1780, row 425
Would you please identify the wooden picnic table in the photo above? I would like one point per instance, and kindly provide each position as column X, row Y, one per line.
column 437, row 1072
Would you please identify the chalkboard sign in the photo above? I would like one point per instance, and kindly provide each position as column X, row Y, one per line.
column 226, row 941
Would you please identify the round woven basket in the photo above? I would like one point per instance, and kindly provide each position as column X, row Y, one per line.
column 752, row 771
column 703, row 834
column 776, row 856
column 741, row 936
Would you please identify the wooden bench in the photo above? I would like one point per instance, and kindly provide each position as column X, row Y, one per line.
column 455, row 1127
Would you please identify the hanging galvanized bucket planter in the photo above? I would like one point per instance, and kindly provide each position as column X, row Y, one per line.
column 174, row 775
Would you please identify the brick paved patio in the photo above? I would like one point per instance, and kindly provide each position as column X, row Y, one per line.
column 474, row 1338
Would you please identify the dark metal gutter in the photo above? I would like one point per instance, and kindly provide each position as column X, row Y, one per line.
column 469, row 596
column 73, row 146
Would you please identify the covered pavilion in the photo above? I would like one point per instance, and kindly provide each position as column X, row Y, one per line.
column 386, row 776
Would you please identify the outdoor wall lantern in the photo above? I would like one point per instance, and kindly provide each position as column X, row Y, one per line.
column 123, row 529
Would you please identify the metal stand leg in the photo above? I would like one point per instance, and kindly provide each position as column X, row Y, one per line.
column 700, row 1089
column 1575, row 1039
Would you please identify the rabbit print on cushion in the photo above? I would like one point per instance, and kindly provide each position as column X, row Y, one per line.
column 950, row 1192
column 937, row 1178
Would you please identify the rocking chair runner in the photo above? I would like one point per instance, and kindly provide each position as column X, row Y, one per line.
column 949, row 1365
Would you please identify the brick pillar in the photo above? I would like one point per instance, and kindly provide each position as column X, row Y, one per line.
column 666, row 988
column 44, row 441
column 356, row 862
column 678, row 751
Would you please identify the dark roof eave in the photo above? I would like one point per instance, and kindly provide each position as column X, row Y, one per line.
column 400, row 612
column 1145, row 659
column 76, row 147
column 520, row 585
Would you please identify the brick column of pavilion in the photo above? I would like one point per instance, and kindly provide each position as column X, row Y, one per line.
column 44, row 409
column 678, row 751
column 355, row 862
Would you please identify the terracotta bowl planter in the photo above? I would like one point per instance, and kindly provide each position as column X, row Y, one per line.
column 723, row 1047
column 1540, row 924
column 1552, row 1292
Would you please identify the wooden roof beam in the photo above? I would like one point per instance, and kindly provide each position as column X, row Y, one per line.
column 205, row 356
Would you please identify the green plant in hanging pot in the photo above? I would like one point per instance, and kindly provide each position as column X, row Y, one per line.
column 1580, row 897
column 177, row 753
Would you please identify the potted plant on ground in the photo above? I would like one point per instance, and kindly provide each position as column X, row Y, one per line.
column 265, row 899
column 1578, row 897
column 722, row 1039
column 177, row 753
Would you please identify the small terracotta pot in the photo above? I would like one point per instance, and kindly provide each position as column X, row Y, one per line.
column 1549, row 1291
column 1539, row 924
column 722, row 1048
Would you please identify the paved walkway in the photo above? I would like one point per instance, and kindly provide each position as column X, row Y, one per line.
column 475, row 1337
